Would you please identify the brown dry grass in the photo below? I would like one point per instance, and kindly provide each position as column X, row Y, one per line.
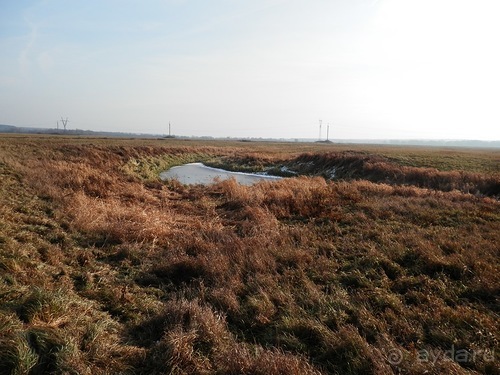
column 106, row 270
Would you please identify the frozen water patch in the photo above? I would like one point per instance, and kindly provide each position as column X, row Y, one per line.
column 198, row 173
column 285, row 169
column 332, row 173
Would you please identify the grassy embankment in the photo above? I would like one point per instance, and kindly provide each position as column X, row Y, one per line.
column 106, row 269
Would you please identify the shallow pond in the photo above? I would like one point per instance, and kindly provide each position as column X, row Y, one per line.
column 198, row 173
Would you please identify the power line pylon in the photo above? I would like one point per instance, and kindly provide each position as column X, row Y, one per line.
column 64, row 122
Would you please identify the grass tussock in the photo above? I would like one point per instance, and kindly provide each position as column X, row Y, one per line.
column 384, row 266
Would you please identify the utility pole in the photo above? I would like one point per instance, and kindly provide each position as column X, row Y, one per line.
column 169, row 134
column 320, row 122
column 327, row 131
column 57, row 125
column 64, row 122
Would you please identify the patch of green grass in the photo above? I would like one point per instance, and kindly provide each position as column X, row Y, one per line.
column 149, row 168
column 468, row 160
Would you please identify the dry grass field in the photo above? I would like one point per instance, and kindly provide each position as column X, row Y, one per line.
column 369, row 260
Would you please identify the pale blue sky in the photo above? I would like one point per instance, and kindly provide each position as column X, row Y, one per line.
column 371, row 69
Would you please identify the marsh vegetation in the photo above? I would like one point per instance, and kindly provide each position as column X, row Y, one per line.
column 364, row 252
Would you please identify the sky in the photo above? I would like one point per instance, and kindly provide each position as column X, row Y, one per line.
column 368, row 69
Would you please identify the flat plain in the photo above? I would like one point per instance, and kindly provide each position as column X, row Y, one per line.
column 364, row 260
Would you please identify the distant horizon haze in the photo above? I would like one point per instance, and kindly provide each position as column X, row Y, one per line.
column 370, row 69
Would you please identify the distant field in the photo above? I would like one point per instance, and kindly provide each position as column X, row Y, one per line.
column 367, row 260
